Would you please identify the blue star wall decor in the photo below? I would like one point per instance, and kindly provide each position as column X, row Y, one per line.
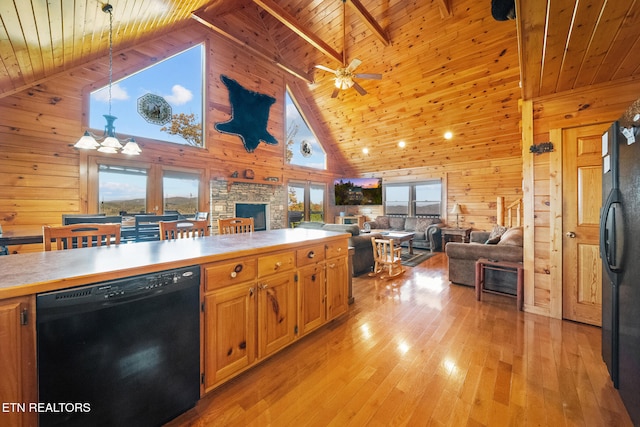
column 249, row 115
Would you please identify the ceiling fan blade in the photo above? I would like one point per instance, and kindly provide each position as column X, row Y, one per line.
column 373, row 76
column 322, row 67
column 354, row 64
column 359, row 88
column 335, row 92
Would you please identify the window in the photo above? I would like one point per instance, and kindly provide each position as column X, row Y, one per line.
column 422, row 198
column 306, row 203
column 302, row 148
column 176, row 81
column 121, row 189
column 428, row 198
column 180, row 192
column 396, row 199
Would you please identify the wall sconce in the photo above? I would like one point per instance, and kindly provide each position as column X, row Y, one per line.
column 456, row 210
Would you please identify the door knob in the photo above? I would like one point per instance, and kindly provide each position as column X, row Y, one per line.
column 571, row 234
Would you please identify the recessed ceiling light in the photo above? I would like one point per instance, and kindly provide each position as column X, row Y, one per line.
column 365, row 150
column 401, row 144
column 448, row 135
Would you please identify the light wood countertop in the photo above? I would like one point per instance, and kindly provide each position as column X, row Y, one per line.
column 30, row 273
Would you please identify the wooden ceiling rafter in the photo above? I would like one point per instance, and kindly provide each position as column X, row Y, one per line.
column 267, row 56
column 290, row 22
column 445, row 8
column 370, row 22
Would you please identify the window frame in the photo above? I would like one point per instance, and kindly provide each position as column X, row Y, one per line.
column 155, row 176
column 307, row 186
column 411, row 205
column 289, row 92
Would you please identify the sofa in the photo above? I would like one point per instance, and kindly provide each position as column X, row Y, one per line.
column 500, row 244
column 427, row 230
column 362, row 260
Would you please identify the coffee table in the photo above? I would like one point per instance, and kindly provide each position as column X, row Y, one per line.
column 398, row 237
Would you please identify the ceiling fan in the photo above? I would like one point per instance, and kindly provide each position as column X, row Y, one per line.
column 344, row 76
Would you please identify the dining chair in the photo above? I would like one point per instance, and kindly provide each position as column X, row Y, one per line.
column 80, row 236
column 235, row 225
column 147, row 228
column 386, row 255
column 183, row 228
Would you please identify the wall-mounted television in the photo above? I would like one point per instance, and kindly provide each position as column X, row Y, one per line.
column 358, row 191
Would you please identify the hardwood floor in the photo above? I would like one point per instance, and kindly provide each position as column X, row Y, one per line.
column 420, row 351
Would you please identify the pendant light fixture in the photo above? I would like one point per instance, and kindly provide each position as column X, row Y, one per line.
column 109, row 142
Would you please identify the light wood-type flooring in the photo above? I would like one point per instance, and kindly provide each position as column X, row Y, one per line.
column 424, row 352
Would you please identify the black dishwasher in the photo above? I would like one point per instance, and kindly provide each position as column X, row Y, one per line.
column 120, row 353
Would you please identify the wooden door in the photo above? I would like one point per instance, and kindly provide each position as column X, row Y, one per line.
column 582, row 199
column 337, row 287
column 311, row 296
column 230, row 332
column 277, row 314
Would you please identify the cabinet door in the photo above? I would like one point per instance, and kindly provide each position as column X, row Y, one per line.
column 17, row 360
column 229, row 340
column 276, row 312
column 311, row 298
column 337, row 287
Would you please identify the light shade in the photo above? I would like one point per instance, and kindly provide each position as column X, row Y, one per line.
column 456, row 209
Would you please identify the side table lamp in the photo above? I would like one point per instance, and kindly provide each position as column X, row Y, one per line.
column 457, row 210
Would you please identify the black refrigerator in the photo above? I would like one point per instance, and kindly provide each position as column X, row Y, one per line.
column 620, row 253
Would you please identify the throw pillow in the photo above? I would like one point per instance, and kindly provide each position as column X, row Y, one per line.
column 396, row 223
column 496, row 233
column 382, row 221
column 423, row 223
column 512, row 237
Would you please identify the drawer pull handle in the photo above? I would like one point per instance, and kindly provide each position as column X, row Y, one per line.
column 277, row 265
column 251, row 290
column 263, row 286
column 233, row 274
column 311, row 254
column 236, row 270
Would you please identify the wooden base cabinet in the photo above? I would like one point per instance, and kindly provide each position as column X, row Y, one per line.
column 17, row 361
column 255, row 306
column 229, row 327
column 337, row 287
column 276, row 313
column 311, row 298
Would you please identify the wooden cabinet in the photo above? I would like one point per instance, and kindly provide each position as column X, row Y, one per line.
column 230, row 332
column 311, row 298
column 17, row 360
column 255, row 306
column 337, row 287
column 276, row 312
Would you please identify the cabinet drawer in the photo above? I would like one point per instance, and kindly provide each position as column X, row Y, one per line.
column 309, row 255
column 277, row 263
column 225, row 273
column 336, row 249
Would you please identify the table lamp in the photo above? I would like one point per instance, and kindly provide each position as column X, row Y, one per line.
column 457, row 210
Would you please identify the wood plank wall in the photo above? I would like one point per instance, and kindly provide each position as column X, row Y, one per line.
column 42, row 176
column 543, row 186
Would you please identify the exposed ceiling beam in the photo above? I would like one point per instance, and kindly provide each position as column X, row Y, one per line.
column 369, row 21
column 267, row 56
column 288, row 20
column 445, row 8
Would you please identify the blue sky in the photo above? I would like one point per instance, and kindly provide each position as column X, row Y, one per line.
column 178, row 80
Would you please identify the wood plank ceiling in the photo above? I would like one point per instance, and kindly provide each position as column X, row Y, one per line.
column 446, row 64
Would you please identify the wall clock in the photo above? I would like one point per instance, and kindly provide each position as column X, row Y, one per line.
column 154, row 109
column 305, row 148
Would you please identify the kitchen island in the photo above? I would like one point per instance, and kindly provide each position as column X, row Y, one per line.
column 259, row 292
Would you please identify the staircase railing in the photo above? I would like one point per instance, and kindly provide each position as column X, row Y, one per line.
column 511, row 215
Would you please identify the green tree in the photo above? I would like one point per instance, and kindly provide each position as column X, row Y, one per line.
column 187, row 126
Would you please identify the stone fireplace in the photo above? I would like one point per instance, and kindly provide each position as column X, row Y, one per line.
column 258, row 211
column 271, row 199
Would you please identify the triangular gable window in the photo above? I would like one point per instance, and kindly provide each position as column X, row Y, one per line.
column 303, row 148
column 162, row 102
